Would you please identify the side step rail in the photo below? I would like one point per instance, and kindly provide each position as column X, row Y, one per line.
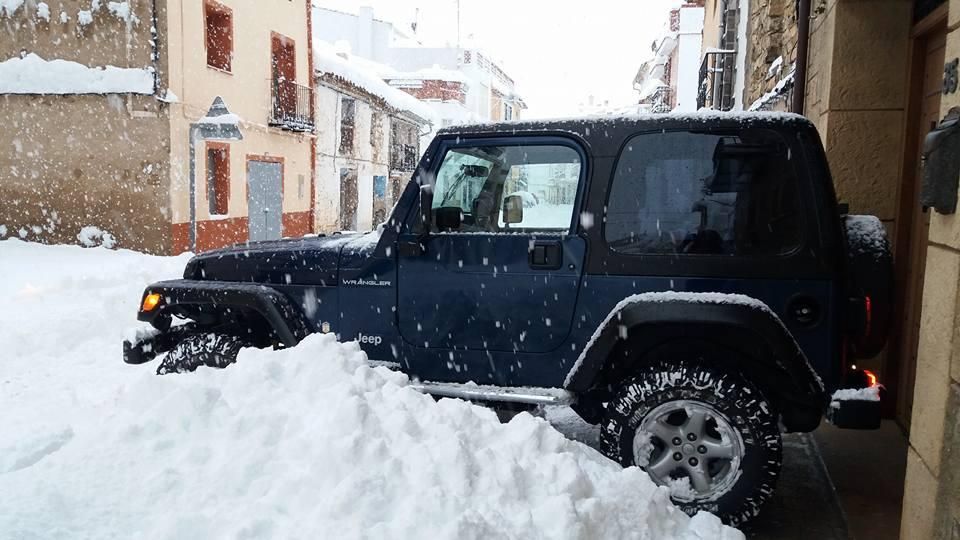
column 507, row 394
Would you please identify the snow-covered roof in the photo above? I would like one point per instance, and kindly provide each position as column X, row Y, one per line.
column 587, row 121
column 365, row 74
column 434, row 73
column 34, row 75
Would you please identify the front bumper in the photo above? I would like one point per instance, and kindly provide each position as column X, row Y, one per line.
column 143, row 350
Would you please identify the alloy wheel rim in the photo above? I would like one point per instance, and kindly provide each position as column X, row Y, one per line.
column 689, row 439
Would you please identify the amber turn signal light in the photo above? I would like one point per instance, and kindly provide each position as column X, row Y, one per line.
column 150, row 301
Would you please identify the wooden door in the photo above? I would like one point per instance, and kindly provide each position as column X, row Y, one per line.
column 912, row 223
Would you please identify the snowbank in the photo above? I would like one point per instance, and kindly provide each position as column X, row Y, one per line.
column 92, row 236
column 308, row 442
column 34, row 75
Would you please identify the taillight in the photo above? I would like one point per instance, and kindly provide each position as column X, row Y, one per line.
column 867, row 315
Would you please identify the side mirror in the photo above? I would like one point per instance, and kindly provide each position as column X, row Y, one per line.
column 426, row 208
column 449, row 218
column 512, row 209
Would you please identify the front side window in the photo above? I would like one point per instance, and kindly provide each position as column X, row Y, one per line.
column 508, row 188
column 704, row 193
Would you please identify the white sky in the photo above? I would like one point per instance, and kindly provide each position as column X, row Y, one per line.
column 558, row 52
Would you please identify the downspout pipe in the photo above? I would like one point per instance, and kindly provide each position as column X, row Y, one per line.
column 803, row 44
column 194, row 132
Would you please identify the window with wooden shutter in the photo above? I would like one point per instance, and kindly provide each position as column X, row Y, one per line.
column 219, row 35
column 348, row 112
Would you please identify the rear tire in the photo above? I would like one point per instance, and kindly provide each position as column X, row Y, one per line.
column 211, row 350
column 707, row 434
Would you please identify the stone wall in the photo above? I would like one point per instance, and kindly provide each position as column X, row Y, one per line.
column 107, row 39
column 71, row 161
column 773, row 34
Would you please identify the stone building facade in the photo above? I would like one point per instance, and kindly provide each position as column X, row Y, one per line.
column 773, row 44
column 116, row 156
column 874, row 88
column 70, row 161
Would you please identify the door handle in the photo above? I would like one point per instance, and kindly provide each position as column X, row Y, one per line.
column 546, row 254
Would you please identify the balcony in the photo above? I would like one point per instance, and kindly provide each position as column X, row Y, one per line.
column 291, row 106
column 716, row 80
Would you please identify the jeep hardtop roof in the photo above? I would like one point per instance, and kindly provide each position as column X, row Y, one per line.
column 634, row 122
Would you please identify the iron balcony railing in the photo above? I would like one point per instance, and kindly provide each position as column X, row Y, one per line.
column 717, row 80
column 662, row 100
column 291, row 106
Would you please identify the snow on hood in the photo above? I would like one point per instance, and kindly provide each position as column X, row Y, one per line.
column 295, row 443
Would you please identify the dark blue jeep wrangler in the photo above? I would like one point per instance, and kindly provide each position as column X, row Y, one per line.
column 689, row 283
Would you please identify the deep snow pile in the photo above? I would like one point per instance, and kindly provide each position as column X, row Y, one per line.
column 304, row 443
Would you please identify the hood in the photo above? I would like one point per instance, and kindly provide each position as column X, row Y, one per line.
column 297, row 261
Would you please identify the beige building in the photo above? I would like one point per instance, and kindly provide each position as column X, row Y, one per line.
column 111, row 147
column 873, row 81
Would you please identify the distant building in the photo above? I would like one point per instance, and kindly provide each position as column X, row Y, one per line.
column 668, row 81
column 733, row 74
column 99, row 101
column 460, row 84
column 368, row 142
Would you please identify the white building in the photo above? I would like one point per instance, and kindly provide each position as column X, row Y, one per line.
column 670, row 80
column 459, row 84
column 368, row 142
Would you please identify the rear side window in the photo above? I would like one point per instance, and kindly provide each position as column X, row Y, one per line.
column 704, row 193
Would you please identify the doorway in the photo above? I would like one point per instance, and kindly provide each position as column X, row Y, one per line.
column 348, row 199
column 265, row 199
column 910, row 238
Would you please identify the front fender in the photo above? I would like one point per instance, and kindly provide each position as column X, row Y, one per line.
column 184, row 295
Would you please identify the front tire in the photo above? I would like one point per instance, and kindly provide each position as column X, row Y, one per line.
column 211, row 350
column 707, row 434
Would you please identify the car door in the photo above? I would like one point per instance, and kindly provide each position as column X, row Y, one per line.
column 501, row 268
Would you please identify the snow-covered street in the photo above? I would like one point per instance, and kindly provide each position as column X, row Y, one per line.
column 304, row 443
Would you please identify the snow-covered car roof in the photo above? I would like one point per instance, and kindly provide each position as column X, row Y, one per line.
column 582, row 124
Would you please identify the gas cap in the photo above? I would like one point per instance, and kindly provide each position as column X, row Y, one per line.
column 804, row 310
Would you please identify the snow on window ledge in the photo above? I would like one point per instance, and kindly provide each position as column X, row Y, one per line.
column 34, row 75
